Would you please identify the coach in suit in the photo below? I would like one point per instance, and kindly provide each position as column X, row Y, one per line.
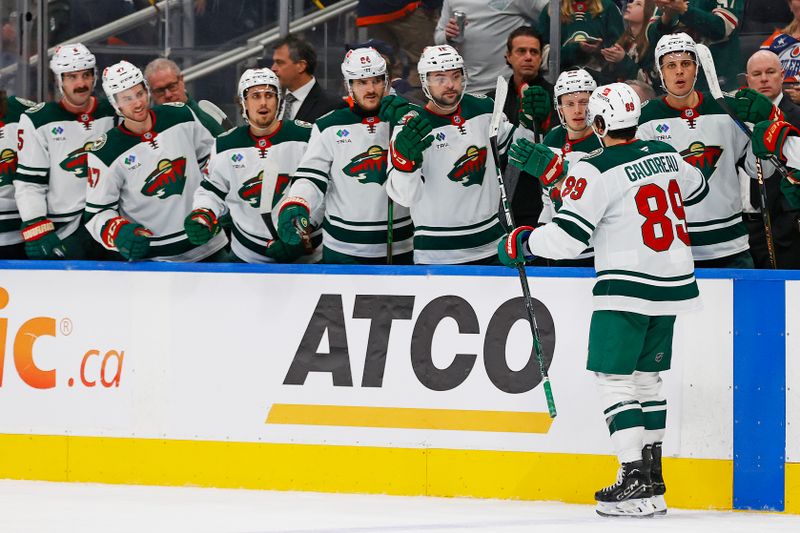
column 294, row 61
column 765, row 75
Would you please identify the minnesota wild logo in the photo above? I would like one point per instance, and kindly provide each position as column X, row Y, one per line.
column 75, row 162
column 167, row 179
column 702, row 157
column 250, row 191
column 8, row 165
column 470, row 167
column 369, row 166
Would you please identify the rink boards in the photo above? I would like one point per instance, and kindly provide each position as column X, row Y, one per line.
column 397, row 380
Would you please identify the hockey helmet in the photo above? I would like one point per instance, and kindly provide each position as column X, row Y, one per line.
column 674, row 43
column 617, row 104
column 568, row 82
column 254, row 77
column 362, row 63
column 121, row 77
column 72, row 58
column 439, row 58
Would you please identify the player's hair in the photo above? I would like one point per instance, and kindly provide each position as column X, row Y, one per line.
column 647, row 91
column 161, row 63
column 300, row 50
column 623, row 134
column 522, row 31
column 640, row 42
column 593, row 7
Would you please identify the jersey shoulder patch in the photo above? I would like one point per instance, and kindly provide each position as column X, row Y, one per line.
column 99, row 143
column 480, row 96
column 36, row 107
column 594, row 153
column 27, row 103
column 175, row 104
column 303, row 124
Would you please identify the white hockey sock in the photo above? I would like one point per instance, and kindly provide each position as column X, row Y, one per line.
column 654, row 405
column 623, row 414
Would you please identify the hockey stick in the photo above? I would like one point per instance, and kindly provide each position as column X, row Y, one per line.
column 706, row 60
column 269, row 181
column 389, row 230
column 497, row 114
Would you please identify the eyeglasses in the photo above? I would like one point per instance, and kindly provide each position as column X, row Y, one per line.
column 440, row 78
column 581, row 104
column 172, row 87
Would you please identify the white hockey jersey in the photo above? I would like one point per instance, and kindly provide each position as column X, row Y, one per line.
column 234, row 179
column 345, row 166
column 51, row 173
column 10, row 221
column 630, row 198
column 454, row 196
column 709, row 140
column 572, row 151
column 151, row 179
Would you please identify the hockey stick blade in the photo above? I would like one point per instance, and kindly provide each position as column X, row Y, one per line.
column 501, row 92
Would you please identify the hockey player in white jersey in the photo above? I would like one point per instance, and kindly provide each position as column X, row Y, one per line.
column 11, row 244
column 345, row 166
column 442, row 168
column 695, row 125
column 572, row 140
column 143, row 175
column 236, row 173
column 630, row 198
column 53, row 138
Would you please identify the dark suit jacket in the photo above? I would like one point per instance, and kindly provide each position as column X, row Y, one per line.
column 317, row 103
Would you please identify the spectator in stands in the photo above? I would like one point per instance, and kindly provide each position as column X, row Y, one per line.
column 644, row 90
column 406, row 25
column 712, row 22
column 764, row 74
column 479, row 46
column 631, row 57
column 166, row 85
column 586, row 28
column 785, row 42
column 294, row 61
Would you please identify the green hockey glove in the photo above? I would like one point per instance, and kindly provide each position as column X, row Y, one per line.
column 200, row 226
column 413, row 139
column 293, row 220
column 513, row 249
column 768, row 138
column 41, row 240
column 284, row 253
column 538, row 160
column 535, row 106
column 130, row 239
column 752, row 106
column 392, row 109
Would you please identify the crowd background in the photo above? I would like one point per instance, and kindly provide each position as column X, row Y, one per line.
column 613, row 39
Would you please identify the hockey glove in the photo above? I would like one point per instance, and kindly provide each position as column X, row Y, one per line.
column 513, row 250
column 768, row 138
column 200, row 226
column 413, row 139
column 791, row 191
column 392, row 109
column 752, row 106
column 293, row 220
column 538, row 160
column 284, row 253
column 535, row 106
column 41, row 240
column 131, row 240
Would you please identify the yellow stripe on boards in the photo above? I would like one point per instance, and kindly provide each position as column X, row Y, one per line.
column 408, row 418
column 792, row 489
column 573, row 478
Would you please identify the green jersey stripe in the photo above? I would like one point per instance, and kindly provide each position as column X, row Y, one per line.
column 573, row 230
column 716, row 236
column 306, row 170
column 459, row 242
column 737, row 217
column 695, row 198
column 376, row 223
column 634, row 403
column 577, row 217
column 10, row 224
column 643, row 291
column 481, row 224
column 643, row 275
column 366, row 236
column 625, row 420
column 42, row 179
column 207, row 185
column 247, row 242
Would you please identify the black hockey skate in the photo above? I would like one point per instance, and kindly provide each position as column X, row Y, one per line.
column 630, row 496
column 656, row 477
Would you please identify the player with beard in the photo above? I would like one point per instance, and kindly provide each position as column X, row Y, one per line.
column 144, row 173
column 236, row 172
column 345, row 166
column 442, row 168
column 53, row 138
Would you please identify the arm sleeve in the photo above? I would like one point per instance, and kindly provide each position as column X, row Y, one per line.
column 312, row 177
column 692, row 183
column 31, row 181
column 215, row 186
column 405, row 188
column 102, row 199
column 791, row 151
column 573, row 225
column 203, row 141
column 719, row 23
column 438, row 33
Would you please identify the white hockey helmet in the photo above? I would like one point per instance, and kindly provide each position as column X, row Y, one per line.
column 439, row 58
column 254, row 77
column 674, row 43
column 568, row 82
column 617, row 104
column 72, row 58
column 361, row 63
column 121, row 77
